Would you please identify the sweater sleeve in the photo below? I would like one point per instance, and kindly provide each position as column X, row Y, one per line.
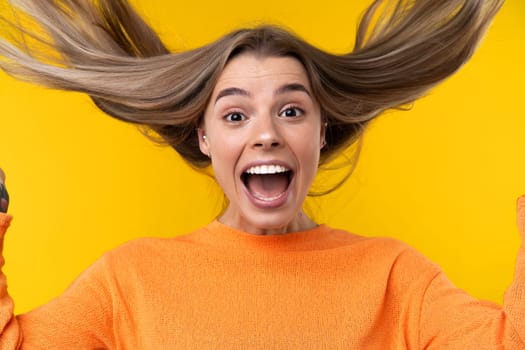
column 452, row 319
column 10, row 330
column 81, row 318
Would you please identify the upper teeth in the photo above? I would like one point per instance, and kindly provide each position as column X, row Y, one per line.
column 266, row 169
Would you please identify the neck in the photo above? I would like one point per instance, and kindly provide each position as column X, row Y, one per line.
column 300, row 223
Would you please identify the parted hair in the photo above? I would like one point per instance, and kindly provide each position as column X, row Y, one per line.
column 105, row 49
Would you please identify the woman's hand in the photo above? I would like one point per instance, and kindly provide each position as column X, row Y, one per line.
column 4, row 196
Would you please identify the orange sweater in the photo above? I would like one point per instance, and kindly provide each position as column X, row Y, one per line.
column 224, row 289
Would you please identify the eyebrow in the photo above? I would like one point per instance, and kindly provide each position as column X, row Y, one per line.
column 230, row 92
column 282, row 90
column 292, row 87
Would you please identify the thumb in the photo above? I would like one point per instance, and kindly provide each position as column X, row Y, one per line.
column 4, row 196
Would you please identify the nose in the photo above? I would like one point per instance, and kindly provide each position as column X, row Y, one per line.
column 266, row 134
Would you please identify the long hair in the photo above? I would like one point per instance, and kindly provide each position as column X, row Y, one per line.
column 104, row 49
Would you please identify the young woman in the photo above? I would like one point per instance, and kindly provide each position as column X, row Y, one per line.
column 265, row 109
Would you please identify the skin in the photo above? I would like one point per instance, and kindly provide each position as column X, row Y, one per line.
column 262, row 110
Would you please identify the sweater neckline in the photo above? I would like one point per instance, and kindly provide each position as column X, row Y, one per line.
column 221, row 235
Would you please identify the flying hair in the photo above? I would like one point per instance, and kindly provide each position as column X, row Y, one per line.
column 105, row 49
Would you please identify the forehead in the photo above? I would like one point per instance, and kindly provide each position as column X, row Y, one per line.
column 248, row 68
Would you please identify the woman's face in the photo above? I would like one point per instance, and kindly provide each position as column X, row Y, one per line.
column 262, row 130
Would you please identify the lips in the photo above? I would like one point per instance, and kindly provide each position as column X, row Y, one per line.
column 267, row 185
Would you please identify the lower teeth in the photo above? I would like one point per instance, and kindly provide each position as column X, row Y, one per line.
column 266, row 199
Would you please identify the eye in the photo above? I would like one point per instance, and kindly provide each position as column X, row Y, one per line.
column 291, row 112
column 234, row 117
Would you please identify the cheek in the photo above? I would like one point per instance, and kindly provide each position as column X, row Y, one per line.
column 309, row 138
column 226, row 149
column 224, row 157
column 222, row 141
column 307, row 150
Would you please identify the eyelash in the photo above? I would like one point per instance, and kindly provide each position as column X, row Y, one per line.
column 299, row 112
column 228, row 115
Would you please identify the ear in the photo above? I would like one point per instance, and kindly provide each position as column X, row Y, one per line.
column 203, row 142
column 324, row 126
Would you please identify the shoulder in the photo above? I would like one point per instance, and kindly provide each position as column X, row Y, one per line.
column 387, row 256
column 138, row 263
column 149, row 248
column 375, row 244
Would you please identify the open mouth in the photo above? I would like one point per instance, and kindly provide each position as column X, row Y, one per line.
column 267, row 182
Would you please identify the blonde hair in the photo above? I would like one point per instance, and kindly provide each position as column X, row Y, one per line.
column 104, row 49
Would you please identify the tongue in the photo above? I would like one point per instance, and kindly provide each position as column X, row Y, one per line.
column 267, row 186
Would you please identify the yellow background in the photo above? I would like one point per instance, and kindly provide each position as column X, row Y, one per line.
column 443, row 177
